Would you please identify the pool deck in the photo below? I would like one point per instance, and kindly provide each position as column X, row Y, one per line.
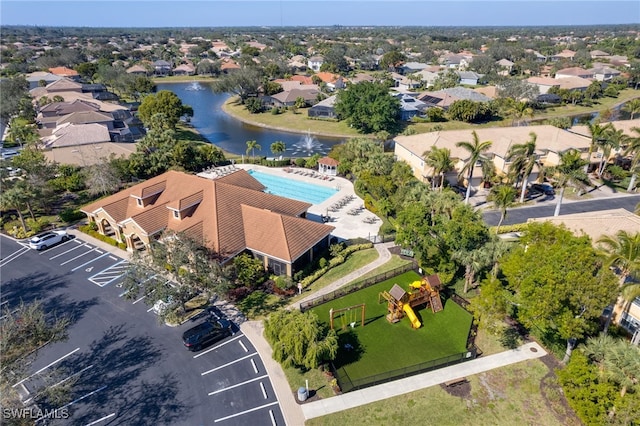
column 347, row 225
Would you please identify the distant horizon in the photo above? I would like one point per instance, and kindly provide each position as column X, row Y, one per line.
column 317, row 13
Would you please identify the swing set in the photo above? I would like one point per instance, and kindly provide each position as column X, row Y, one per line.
column 350, row 312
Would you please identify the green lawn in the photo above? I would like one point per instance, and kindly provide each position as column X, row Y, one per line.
column 380, row 346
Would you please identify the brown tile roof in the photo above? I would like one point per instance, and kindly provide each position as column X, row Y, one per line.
column 63, row 71
column 186, row 202
column 219, row 218
column 64, row 85
column 328, row 161
column 282, row 237
column 84, row 117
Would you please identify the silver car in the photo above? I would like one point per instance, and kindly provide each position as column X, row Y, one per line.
column 47, row 239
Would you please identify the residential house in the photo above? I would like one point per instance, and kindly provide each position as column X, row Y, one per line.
column 602, row 72
column 506, row 67
column 574, row 72
column 184, row 69
column 598, row 54
column 566, row 54
column 229, row 65
column 543, row 83
column 539, row 57
column 333, row 81
column 324, row 108
column 574, row 83
column 289, row 97
column 229, row 215
column 297, row 64
column 551, row 142
column 596, row 225
column 161, row 67
column 315, row 62
column 138, row 70
column 257, row 45
column 410, row 107
column 445, row 97
column 65, row 72
column 456, row 61
column 41, row 79
column 469, row 78
column 411, row 67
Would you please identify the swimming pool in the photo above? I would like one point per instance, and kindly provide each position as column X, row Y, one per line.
column 294, row 189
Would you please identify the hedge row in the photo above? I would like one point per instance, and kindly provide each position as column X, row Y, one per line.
column 335, row 261
column 516, row 227
column 87, row 229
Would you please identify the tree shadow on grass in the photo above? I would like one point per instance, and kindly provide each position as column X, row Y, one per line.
column 349, row 348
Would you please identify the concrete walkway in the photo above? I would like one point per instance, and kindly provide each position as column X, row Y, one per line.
column 383, row 257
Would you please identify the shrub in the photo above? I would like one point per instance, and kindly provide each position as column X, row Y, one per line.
column 322, row 262
column 37, row 225
column 88, row 229
column 300, row 162
column 71, row 215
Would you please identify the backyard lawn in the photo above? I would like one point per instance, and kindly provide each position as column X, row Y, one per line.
column 379, row 346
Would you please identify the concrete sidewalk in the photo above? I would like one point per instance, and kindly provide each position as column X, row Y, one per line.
column 384, row 257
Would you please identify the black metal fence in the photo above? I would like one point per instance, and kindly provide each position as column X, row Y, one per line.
column 358, row 285
column 347, row 384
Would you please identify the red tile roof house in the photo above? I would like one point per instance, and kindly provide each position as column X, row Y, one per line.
column 230, row 215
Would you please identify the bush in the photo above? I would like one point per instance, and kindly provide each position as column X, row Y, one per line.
column 300, row 162
column 88, row 229
column 71, row 215
column 37, row 225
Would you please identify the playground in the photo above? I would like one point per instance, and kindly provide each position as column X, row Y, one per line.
column 391, row 338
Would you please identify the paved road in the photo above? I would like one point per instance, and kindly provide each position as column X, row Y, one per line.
column 547, row 207
column 130, row 368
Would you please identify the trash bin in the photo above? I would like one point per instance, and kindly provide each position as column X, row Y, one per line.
column 302, row 394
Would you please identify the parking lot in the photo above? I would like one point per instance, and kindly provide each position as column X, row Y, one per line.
column 128, row 368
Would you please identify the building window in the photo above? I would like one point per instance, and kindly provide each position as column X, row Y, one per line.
column 139, row 201
column 278, row 268
column 176, row 214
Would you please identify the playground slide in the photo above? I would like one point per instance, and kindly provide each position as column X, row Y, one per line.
column 415, row 322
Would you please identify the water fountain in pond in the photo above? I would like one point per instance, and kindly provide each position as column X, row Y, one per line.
column 308, row 146
column 194, row 86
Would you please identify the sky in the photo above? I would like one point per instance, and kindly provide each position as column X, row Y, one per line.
column 270, row 13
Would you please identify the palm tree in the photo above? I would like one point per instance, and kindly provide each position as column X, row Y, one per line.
column 632, row 107
column 633, row 149
column 278, row 147
column 623, row 253
column 597, row 131
column 439, row 159
column 14, row 198
column 523, row 158
column 474, row 261
column 476, row 150
column 252, row 146
column 570, row 171
column 613, row 139
column 518, row 111
column 502, row 197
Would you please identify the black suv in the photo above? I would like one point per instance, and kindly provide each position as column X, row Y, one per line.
column 545, row 188
column 206, row 333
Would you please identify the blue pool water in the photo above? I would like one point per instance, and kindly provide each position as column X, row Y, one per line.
column 294, row 189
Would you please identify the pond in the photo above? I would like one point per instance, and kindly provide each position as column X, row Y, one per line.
column 231, row 134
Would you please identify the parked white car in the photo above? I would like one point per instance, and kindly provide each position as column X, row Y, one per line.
column 47, row 239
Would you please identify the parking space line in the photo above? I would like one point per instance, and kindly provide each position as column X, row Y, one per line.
column 218, row 346
column 51, row 413
column 78, row 256
column 113, row 258
column 73, row 375
column 273, row 418
column 243, row 346
column 92, row 260
column 16, row 254
column 221, row 419
column 142, row 298
column 47, row 366
column 95, row 422
column 264, row 391
column 255, row 367
column 111, row 273
column 81, row 244
column 228, row 364
column 238, row 385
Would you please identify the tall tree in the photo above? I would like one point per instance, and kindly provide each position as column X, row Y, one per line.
column 523, row 159
column 502, row 197
column 597, row 132
column 633, row 150
column 632, row 107
column 558, row 283
column 164, row 102
column 244, row 83
column 622, row 252
column 613, row 139
column 476, row 150
column 368, row 107
column 439, row 159
column 570, row 171
column 278, row 147
column 251, row 147
column 16, row 199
